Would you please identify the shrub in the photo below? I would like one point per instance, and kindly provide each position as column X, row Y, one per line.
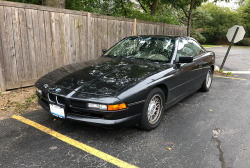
column 196, row 35
column 243, row 42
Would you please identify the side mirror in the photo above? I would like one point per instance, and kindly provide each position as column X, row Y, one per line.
column 185, row 59
column 104, row 51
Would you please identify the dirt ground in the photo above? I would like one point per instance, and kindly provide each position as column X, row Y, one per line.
column 18, row 101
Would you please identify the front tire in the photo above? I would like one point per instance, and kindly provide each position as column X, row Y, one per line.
column 153, row 110
column 206, row 85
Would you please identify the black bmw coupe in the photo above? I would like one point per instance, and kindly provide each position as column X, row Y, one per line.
column 132, row 83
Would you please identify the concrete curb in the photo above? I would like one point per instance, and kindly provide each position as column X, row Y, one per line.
column 239, row 72
column 217, row 69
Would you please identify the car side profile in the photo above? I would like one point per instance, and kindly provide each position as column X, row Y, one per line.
column 132, row 83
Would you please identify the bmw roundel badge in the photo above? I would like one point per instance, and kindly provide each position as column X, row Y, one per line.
column 58, row 90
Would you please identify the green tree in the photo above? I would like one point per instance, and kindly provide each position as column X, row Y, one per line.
column 199, row 20
column 187, row 7
column 244, row 15
column 124, row 8
column 54, row 3
column 222, row 19
column 149, row 6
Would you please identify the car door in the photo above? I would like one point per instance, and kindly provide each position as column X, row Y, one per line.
column 189, row 73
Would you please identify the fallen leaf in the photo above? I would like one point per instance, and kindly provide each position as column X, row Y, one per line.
column 210, row 110
column 169, row 148
column 54, row 119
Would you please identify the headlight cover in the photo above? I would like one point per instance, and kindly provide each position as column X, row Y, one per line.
column 107, row 107
column 97, row 106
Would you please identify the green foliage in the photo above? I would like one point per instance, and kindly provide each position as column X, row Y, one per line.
column 184, row 3
column 120, row 8
column 221, row 71
column 244, row 13
column 243, row 42
column 201, row 18
column 211, row 20
column 210, row 46
column 219, row 20
column 229, row 73
column 104, row 7
column 153, row 18
column 196, row 35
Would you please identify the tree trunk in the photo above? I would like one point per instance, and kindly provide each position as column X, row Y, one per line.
column 153, row 7
column 190, row 17
column 54, row 3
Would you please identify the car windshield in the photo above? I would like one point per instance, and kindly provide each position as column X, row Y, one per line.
column 149, row 48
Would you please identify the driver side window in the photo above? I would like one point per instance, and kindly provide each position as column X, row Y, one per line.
column 188, row 48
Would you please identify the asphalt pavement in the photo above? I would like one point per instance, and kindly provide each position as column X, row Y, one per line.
column 204, row 130
column 237, row 60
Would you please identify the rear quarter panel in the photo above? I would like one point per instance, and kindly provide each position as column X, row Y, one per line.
column 208, row 61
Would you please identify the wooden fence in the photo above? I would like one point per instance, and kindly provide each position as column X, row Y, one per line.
column 37, row 39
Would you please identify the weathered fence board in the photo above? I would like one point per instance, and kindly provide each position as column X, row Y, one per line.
column 2, row 78
column 37, row 39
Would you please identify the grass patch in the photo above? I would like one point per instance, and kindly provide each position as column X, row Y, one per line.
column 206, row 46
column 244, row 46
column 222, row 73
column 18, row 101
column 21, row 107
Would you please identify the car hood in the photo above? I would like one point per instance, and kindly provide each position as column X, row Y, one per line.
column 107, row 76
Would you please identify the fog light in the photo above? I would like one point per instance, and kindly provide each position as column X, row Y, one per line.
column 97, row 106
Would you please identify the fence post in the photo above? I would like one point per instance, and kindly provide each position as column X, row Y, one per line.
column 134, row 31
column 2, row 77
column 89, row 34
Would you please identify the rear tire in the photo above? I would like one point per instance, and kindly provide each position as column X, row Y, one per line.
column 206, row 85
column 153, row 110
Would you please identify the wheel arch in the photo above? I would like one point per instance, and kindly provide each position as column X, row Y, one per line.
column 165, row 90
column 212, row 66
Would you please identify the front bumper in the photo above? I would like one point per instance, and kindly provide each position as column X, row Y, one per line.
column 129, row 116
column 132, row 120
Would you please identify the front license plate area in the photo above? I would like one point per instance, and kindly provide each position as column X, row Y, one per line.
column 57, row 111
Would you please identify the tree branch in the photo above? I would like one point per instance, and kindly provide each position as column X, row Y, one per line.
column 142, row 6
column 182, row 8
column 185, row 12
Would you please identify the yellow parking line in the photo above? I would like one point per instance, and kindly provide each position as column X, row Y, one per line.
column 228, row 77
column 75, row 143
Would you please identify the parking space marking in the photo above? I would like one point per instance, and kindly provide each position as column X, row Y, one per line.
column 75, row 143
column 229, row 77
